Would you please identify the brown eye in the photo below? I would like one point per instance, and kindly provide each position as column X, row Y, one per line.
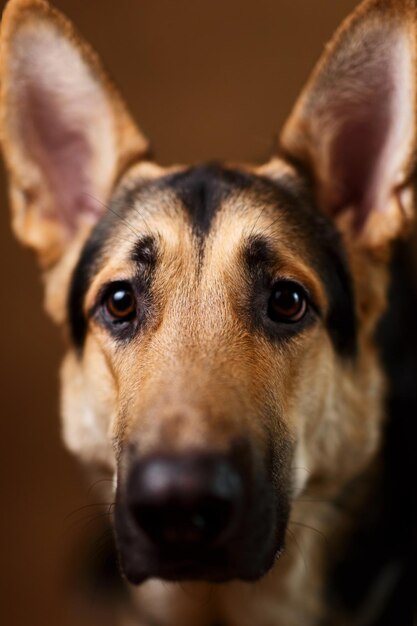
column 120, row 303
column 288, row 303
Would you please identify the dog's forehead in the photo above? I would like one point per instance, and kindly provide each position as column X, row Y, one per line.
column 210, row 219
column 195, row 197
column 200, row 202
column 205, row 221
column 208, row 190
column 192, row 212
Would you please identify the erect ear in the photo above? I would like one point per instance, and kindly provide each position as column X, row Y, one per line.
column 353, row 127
column 65, row 132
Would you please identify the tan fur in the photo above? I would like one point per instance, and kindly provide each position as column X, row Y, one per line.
column 27, row 189
column 331, row 410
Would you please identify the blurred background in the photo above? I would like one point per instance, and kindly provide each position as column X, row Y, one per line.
column 204, row 79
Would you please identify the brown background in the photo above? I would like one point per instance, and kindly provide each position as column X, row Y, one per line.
column 212, row 79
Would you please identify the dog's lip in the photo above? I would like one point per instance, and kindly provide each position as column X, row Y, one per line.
column 190, row 571
column 215, row 568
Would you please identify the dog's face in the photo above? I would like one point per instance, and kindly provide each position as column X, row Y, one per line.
column 209, row 300
column 220, row 318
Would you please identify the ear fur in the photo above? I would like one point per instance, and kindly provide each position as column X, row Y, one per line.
column 65, row 131
column 353, row 127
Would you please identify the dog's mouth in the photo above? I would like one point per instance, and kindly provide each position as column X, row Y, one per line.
column 198, row 517
column 212, row 566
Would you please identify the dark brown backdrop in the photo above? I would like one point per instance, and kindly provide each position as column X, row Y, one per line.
column 205, row 79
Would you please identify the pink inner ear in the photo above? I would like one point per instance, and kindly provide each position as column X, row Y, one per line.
column 62, row 151
column 358, row 150
column 63, row 123
column 361, row 112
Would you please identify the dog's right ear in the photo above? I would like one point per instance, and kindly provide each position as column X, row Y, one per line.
column 65, row 132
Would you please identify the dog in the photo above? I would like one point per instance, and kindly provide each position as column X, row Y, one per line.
column 226, row 360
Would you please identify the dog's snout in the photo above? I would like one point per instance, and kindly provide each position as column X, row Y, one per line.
column 189, row 500
column 198, row 515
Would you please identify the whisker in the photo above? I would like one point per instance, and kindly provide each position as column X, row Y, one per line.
column 119, row 239
column 261, row 212
column 98, row 482
column 201, row 601
column 85, row 522
column 84, row 507
column 124, row 220
column 102, row 542
column 121, row 217
column 135, row 208
column 294, row 538
column 270, row 226
column 316, row 530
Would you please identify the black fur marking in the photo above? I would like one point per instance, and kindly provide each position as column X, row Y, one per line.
column 341, row 321
column 202, row 190
column 320, row 241
column 258, row 253
column 81, row 279
column 145, row 252
column 90, row 260
column 328, row 257
column 384, row 543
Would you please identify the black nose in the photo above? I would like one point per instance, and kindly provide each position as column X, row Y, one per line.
column 187, row 500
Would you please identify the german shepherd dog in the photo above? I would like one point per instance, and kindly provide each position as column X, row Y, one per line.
column 225, row 357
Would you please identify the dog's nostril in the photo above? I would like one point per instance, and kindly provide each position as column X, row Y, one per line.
column 174, row 523
column 186, row 501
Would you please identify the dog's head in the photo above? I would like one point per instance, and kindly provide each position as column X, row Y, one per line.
column 220, row 319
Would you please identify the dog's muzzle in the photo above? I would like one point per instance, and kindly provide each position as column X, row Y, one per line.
column 197, row 515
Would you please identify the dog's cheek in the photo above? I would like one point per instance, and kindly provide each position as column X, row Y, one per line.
column 57, row 279
column 338, row 420
column 88, row 401
column 312, row 397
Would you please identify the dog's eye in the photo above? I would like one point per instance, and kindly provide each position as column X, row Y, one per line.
column 287, row 303
column 120, row 303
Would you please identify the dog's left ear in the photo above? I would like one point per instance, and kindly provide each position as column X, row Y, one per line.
column 65, row 131
column 353, row 127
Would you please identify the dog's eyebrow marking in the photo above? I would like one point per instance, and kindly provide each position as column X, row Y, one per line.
column 145, row 252
column 325, row 252
column 258, row 253
column 203, row 188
